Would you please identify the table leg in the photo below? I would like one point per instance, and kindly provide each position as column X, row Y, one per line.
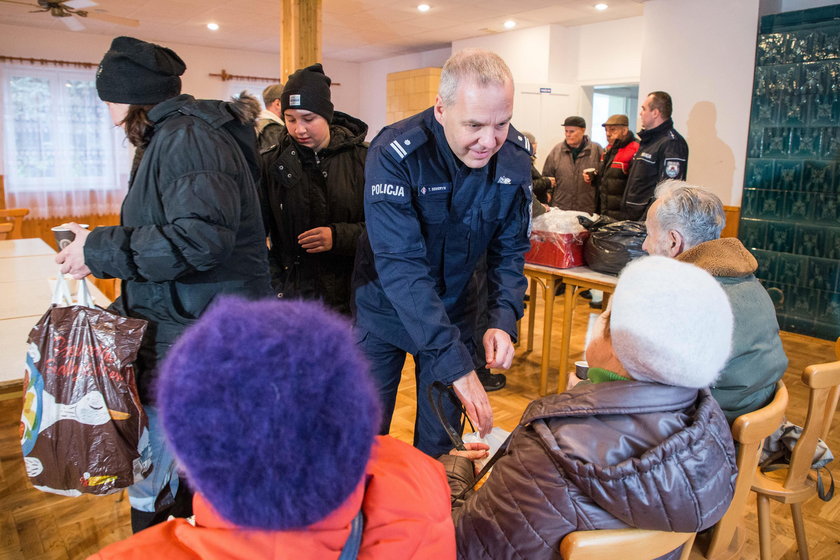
column 568, row 308
column 548, row 296
column 532, row 312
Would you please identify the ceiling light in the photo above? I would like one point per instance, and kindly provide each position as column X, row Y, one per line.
column 510, row 24
column 423, row 7
column 601, row 7
column 213, row 26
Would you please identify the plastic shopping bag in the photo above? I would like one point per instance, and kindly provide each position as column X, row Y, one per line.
column 83, row 429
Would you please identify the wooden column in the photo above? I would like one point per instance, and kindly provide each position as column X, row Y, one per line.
column 300, row 35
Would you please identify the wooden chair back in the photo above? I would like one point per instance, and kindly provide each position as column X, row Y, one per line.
column 15, row 217
column 822, row 380
column 627, row 544
column 749, row 431
column 833, row 397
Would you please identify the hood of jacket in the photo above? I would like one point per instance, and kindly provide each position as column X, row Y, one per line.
column 609, row 459
column 725, row 257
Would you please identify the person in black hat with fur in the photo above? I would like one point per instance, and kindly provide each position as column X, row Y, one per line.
column 190, row 227
column 312, row 192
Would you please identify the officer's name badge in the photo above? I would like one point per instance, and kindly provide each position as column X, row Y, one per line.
column 434, row 189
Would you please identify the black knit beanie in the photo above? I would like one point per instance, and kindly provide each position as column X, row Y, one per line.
column 138, row 73
column 308, row 89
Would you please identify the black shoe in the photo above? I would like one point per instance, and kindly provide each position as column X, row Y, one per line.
column 596, row 304
column 586, row 294
column 491, row 381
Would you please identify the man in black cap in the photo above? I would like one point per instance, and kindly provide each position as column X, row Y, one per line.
column 312, row 192
column 566, row 163
column 270, row 122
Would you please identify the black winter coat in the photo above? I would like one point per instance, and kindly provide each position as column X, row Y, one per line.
column 302, row 190
column 602, row 456
column 662, row 154
column 190, row 227
column 611, row 179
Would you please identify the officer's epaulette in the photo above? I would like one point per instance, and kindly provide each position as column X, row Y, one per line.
column 519, row 139
column 407, row 142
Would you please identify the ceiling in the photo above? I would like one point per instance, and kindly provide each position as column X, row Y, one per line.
column 353, row 30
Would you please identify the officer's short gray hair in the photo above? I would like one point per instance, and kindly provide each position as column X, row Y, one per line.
column 691, row 210
column 482, row 67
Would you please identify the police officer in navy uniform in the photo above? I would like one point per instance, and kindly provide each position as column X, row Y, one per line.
column 442, row 188
column 662, row 154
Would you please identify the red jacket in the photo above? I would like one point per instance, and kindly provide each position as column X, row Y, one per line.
column 406, row 507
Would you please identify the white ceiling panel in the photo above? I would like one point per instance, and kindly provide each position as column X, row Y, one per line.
column 354, row 30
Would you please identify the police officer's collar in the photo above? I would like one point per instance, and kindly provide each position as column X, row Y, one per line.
column 667, row 125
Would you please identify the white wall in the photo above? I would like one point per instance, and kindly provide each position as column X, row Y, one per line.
column 32, row 42
column 610, row 52
column 705, row 61
column 372, row 78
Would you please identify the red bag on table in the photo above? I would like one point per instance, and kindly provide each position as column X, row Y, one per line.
column 83, row 429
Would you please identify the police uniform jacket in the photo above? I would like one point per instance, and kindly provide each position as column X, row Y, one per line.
column 429, row 218
column 662, row 154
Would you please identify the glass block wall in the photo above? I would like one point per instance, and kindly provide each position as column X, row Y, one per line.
column 790, row 211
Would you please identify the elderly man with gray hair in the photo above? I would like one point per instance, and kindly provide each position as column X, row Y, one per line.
column 685, row 223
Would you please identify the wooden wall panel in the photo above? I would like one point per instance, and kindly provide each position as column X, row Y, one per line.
column 410, row 92
column 733, row 216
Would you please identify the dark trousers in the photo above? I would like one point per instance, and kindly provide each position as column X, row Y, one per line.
column 386, row 363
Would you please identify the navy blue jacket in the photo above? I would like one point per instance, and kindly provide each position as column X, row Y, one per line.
column 429, row 218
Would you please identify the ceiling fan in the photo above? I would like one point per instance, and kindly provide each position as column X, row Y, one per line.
column 69, row 10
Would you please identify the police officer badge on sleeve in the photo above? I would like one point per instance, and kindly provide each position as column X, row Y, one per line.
column 672, row 168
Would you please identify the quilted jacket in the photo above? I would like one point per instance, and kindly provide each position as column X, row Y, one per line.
column 602, row 456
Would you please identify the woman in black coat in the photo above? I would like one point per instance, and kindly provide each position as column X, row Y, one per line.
column 190, row 226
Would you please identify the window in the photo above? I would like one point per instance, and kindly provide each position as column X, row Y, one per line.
column 62, row 156
column 613, row 100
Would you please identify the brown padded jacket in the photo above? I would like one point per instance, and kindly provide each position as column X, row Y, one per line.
column 602, row 456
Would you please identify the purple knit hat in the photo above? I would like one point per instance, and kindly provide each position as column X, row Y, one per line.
column 270, row 410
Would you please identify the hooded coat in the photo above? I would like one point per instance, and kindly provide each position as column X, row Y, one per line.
column 190, row 226
column 302, row 190
column 748, row 380
column 602, row 456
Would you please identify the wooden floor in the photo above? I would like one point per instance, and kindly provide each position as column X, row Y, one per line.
column 34, row 525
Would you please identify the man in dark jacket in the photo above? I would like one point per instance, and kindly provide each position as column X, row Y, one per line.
column 685, row 223
column 190, row 227
column 662, row 154
column 566, row 162
column 443, row 188
column 642, row 445
column 269, row 122
column 312, row 193
column 611, row 178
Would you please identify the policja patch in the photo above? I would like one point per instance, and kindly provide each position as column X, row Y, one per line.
column 672, row 168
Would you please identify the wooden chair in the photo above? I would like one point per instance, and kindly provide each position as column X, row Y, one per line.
column 793, row 485
column 833, row 397
column 627, row 544
column 5, row 229
column 14, row 216
column 749, row 431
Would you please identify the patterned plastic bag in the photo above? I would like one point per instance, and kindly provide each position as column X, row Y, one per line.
column 83, row 429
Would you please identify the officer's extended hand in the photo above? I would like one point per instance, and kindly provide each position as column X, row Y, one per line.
column 498, row 349
column 317, row 240
column 72, row 258
column 472, row 395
